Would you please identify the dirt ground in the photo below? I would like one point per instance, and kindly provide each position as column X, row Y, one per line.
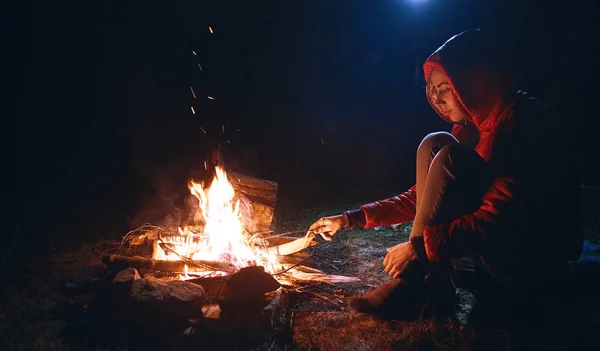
column 37, row 308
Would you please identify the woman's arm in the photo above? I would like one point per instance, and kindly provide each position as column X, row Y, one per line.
column 393, row 210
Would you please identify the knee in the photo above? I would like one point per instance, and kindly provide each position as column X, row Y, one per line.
column 434, row 142
column 458, row 156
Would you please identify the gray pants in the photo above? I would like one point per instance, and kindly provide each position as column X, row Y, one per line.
column 451, row 182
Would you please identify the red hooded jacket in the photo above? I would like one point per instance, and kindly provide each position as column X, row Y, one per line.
column 531, row 212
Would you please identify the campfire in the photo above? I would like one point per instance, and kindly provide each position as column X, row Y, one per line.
column 219, row 267
column 222, row 239
column 220, row 245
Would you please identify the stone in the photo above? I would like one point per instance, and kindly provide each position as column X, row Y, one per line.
column 175, row 298
column 122, row 282
column 244, row 320
column 248, row 284
column 127, row 276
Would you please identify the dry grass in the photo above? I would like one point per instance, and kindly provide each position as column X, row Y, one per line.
column 28, row 306
column 34, row 307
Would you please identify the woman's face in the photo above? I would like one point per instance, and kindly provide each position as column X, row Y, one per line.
column 440, row 94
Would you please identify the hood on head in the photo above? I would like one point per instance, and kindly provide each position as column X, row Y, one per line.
column 479, row 65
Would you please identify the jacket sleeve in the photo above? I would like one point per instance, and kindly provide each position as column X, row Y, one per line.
column 466, row 235
column 393, row 210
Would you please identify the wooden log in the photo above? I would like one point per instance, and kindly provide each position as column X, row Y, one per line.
column 256, row 189
column 118, row 262
column 259, row 198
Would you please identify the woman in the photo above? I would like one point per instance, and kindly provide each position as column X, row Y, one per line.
column 500, row 191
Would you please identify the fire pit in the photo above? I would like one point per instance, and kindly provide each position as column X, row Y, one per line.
column 216, row 274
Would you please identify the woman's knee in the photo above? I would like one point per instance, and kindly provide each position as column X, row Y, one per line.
column 458, row 153
column 434, row 142
column 461, row 160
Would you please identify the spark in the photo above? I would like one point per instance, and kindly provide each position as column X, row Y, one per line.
column 228, row 142
column 205, row 167
column 322, row 142
column 202, row 129
column 211, row 98
column 210, row 29
column 193, row 52
column 223, row 128
column 192, row 108
column 200, row 67
column 192, row 90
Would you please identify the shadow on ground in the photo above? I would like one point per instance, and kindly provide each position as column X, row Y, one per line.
column 55, row 308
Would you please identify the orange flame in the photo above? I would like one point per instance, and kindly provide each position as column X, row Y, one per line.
column 223, row 238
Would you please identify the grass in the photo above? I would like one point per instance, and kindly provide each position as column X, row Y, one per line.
column 33, row 309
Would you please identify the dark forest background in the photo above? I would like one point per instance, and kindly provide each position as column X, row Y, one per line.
column 324, row 97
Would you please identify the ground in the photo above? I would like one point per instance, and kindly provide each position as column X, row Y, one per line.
column 35, row 309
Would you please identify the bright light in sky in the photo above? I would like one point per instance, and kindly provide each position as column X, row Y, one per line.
column 417, row 5
column 415, row 2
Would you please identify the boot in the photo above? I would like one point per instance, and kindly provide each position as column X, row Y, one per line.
column 394, row 300
column 492, row 310
column 427, row 291
column 398, row 299
column 442, row 297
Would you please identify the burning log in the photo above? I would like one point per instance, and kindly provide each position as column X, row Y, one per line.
column 118, row 262
column 255, row 189
column 261, row 196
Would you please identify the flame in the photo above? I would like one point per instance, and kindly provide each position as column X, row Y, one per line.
column 185, row 275
column 223, row 238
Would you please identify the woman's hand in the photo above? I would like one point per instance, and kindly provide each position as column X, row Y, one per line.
column 398, row 259
column 327, row 227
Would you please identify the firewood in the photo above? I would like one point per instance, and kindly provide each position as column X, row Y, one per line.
column 258, row 196
column 118, row 262
column 296, row 258
column 293, row 246
column 258, row 190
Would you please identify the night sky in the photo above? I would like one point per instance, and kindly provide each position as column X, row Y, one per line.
column 324, row 97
